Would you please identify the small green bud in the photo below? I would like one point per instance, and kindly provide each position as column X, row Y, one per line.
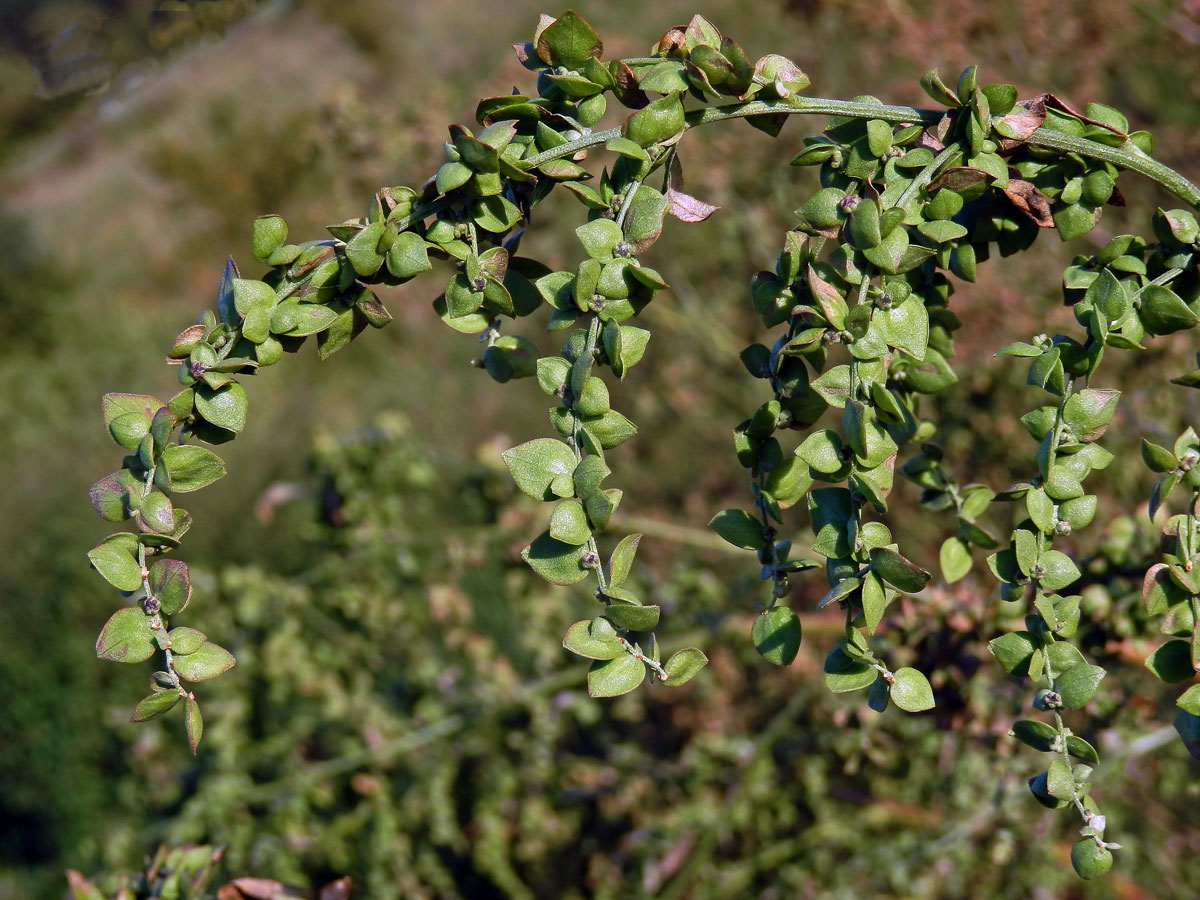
column 1047, row 700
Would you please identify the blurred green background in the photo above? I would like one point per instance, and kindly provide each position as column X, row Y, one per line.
column 431, row 738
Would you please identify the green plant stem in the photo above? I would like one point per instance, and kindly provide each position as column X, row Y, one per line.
column 1063, row 733
column 156, row 621
column 592, row 547
column 928, row 173
column 1190, row 547
column 1132, row 159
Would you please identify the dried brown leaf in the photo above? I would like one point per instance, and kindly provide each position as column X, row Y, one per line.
column 680, row 204
column 1029, row 200
column 673, row 42
column 628, row 91
column 1026, row 117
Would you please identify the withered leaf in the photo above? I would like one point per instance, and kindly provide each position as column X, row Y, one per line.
column 1029, row 200
column 1026, row 118
column 958, row 179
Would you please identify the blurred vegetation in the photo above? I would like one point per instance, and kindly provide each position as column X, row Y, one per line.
column 420, row 744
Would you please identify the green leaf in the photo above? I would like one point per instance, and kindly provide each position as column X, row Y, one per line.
column 683, row 666
column 1020, row 349
column 363, row 249
column 256, row 301
column 874, row 601
column 224, row 407
column 408, row 256
column 1060, row 570
column 542, row 468
column 599, row 237
column 659, row 120
column 833, row 304
column 942, row 231
column 776, row 635
column 155, row 514
column 270, row 233
column 1013, row 651
column 306, row 319
column 898, row 571
column 170, row 585
column 114, row 406
column 843, row 673
column 110, row 495
column 185, row 640
column 842, row 588
column 594, row 639
column 1189, row 700
column 930, row 375
column 911, row 691
column 569, row 42
column 600, row 507
column 1089, row 859
column 788, row 482
column 452, row 175
column 832, row 516
column 1061, row 484
column 611, row 429
column 633, row 617
column 208, row 661
column 191, row 467
column 739, row 528
column 613, row 677
column 626, row 147
column 1082, row 750
column 195, row 723
column 643, row 223
column 568, row 523
column 1188, row 728
column 1172, row 662
column 588, row 476
column 1163, row 312
column 1190, row 379
column 1037, row 735
column 624, row 345
column 892, row 253
column 129, row 429
column 1074, row 221
column 905, row 326
column 1108, row 296
column 1047, row 369
column 933, row 85
column 555, row 561
column 1063, row 656
column 1077, row 684
column 1059, row 782
column 495, row 214
column 1089, row 412
column 833, row 385
column 127, row 637
column 822, row 450
column 116, row 559
column 155, row 705
column 621, row 560
column 552, row 374
column 249, row 295
column 955, row 559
